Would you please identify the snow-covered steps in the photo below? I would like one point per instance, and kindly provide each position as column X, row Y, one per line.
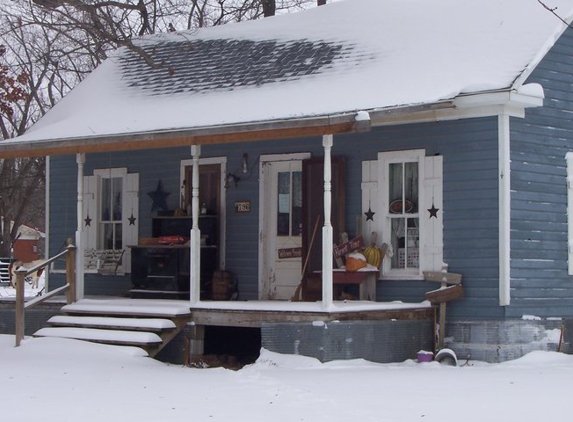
column 129, row 307
column 149, row 324
column 119, row 337
column 155, row 325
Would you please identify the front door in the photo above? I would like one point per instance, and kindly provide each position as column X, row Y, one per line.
column 281, row 229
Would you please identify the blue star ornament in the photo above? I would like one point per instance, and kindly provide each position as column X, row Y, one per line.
column 159, row 198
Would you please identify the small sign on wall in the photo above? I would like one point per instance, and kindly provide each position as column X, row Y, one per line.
column 286, row 253
column 242, row 206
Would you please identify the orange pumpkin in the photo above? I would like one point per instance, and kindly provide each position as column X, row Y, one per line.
column 355, row 261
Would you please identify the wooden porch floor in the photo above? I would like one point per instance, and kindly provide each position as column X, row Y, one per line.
column 256, row 313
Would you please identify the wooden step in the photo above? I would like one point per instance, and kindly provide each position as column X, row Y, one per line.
column 129, row 307
column 144, row 323
column 155, row 325
column 118, row 337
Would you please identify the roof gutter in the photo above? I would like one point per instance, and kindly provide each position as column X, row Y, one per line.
column 350, row 122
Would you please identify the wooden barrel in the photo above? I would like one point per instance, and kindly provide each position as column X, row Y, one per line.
column 221, row 285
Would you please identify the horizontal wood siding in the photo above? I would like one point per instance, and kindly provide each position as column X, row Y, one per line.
column 470, row 211
column 540, row 284
column 470, row 201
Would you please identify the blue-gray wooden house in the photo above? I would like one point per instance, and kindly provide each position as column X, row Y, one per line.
column 446, row 126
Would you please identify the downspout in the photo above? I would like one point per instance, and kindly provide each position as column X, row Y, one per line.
column 80, row 287
column 195, row 241
column 47, row 223
column 327, row 238
column 569, row 158
column 504, row 208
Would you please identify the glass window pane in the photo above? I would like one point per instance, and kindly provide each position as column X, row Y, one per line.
column 117, row 189
column 411, row 187
column 395, row 182
column 296, row 229
column 406, row 241
column 118, row 239
column 284, row 204
column 106, row 210
column 107, row 236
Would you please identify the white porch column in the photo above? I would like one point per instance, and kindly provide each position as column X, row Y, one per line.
column 195, row 242
column 80, row 160
column 327, row 239
column 504, row 209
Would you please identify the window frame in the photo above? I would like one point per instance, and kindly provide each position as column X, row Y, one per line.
column 92, row 212
column 376, row 202
column 386, row 159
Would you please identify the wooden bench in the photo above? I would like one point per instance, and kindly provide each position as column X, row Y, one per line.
column 104, row 261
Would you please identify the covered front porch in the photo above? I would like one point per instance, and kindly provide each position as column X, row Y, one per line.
column 391, row 331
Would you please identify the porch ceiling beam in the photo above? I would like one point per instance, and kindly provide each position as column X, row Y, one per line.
column 257, row 131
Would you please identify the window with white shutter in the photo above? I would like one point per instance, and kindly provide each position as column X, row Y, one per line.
column 402, row 202
column 111, row 207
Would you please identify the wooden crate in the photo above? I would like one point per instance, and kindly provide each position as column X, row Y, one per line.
column 222, row 285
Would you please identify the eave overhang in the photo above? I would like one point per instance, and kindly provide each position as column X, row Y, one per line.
column 351, row 122
column 511, row 102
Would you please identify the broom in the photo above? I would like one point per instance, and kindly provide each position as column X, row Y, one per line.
column 296, row 296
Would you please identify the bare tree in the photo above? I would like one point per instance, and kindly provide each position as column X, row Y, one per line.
column 56, row 43
column 21, row 180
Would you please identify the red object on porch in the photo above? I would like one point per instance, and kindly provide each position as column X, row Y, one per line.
column 26, row 250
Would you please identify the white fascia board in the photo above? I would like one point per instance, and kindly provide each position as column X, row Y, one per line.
column 509, row 102
column 524, row 98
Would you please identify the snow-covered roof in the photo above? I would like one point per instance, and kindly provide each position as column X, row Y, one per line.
column 321, row 66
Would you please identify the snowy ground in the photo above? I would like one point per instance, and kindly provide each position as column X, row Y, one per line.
column 67, row 380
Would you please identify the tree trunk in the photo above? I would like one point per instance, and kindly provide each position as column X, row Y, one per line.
column 320, row 2
column 269, row 7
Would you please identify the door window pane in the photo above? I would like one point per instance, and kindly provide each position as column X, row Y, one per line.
column 289, row 207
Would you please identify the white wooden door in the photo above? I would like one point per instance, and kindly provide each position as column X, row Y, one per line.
column 282, row 232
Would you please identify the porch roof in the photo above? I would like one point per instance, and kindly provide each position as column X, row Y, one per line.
column 303, row 74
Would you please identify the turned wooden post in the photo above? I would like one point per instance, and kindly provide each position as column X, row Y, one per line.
column 71, row 272
column 20, row 291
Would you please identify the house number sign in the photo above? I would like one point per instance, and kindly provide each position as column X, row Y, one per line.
column 243, row 206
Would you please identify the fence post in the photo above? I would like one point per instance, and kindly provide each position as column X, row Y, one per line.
column 71, row 272
column 20, row 291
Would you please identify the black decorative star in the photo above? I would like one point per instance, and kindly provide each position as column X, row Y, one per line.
column 433, row 211
column 88, row 220
column 159, row 196
column 369, row 214
column 132, row 220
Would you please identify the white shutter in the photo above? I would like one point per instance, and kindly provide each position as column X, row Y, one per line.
column 432, row 224
column 130, row 217
column 90, row 221
column 370, row 201
column 90, row 217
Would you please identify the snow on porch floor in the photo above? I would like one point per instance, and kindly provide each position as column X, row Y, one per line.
column 180, row 307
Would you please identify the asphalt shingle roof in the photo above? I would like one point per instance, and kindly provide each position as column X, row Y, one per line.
column 319, row 64
column 206, row 65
